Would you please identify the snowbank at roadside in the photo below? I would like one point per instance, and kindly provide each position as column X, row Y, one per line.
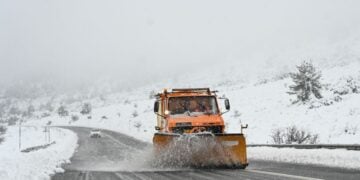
column 326, row 157
column 38, row 164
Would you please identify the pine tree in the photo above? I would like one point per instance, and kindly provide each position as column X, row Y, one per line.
column 307, row 82
column 86, row 109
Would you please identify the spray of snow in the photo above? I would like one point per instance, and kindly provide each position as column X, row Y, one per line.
column 193, row 150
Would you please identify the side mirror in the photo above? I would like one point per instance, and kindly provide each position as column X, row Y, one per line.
column 156, row 107
column 227, row 104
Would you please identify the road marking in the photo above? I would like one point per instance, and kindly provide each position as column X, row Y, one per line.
column 283, row 175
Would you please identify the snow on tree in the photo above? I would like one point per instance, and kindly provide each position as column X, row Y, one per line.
column 307, row 82
column 12, row 120
column 86, row 109
column 30, row 110
column 14, row 111
column 62, row 111
column 49, row 107
column 3, row 129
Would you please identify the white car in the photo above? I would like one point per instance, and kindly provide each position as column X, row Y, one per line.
column 95, row 133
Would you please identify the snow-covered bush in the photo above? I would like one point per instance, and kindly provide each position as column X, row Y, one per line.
column 306, row 82
column 277, row 136
column 137, row 124
column 152, row 94
column 135, row 114
column 293, row 135
column 281, row 76
column 127, row 101
column 335, row 92
column 30, row 110
column 14, row 111
column 261, row 82
column 323, row 102
column 74, row 117
column 45, row 114
column 86, row 109
column 49, row 107
column 346, row 85
column 12, row 120
column 62, row 111
column 2, row 132
column 351, row 129
column 236, row 114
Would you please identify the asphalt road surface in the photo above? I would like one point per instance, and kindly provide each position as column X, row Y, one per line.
column 116, row 156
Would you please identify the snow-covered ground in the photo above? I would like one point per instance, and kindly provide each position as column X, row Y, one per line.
column 329, row 157
column 38, row 164
column 264, row 106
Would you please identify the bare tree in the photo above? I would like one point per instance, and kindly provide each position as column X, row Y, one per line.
column 277, row 136
column 292, row 134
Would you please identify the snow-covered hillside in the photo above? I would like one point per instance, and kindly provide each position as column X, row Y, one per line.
column 39, row 164
column 263, row 104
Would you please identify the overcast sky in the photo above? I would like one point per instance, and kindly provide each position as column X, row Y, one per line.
column 138, row 40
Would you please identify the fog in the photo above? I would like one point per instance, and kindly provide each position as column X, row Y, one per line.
column 139, row 41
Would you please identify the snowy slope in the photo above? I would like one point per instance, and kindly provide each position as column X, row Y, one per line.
column 267, row 106
column 36, row 165
column 263, row 104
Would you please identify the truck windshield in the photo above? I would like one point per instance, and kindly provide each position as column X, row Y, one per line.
column 193, row 104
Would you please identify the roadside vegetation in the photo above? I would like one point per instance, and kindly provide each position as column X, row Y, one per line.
column 3, row 129
column 293, row 135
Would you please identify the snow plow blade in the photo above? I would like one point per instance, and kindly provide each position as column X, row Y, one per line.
column 200, row 150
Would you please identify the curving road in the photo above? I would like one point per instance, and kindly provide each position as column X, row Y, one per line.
column 117, row 156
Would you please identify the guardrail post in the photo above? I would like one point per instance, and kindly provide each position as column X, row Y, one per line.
column 20, row 135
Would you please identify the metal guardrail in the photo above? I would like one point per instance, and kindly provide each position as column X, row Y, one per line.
column 355, row 147
column 35, row 148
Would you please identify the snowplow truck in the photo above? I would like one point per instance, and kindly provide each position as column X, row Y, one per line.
column 191, row 130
